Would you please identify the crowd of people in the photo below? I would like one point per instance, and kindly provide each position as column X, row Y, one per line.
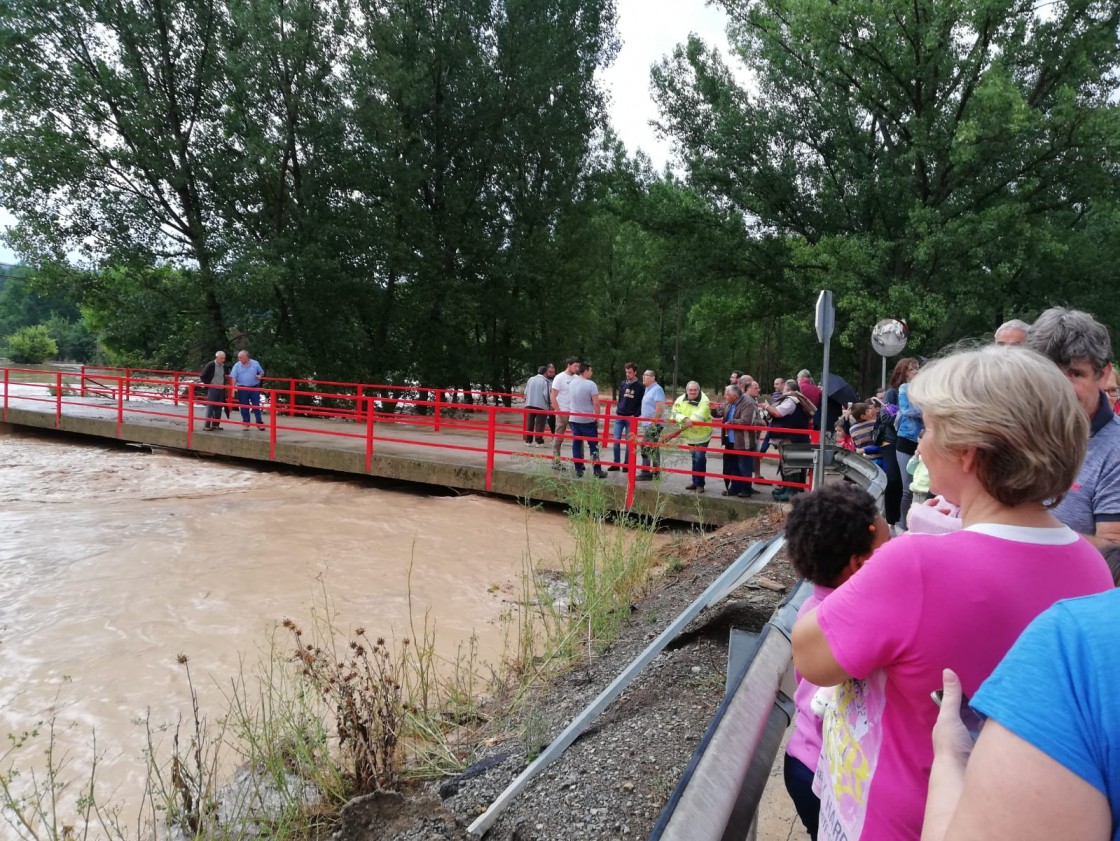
column 1002, row 589
column 567, row 404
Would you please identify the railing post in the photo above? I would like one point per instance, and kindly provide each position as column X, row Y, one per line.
column 57, row 399
column 272, row 424
column 292, row 398
column 82, row 382
column 606, row 426
column 491, row 432
column 190, row 415
column 369, row 434
column 631, row 459
column 120, row 405
column 438, row 401
column 128, row 383
column 6, row 389
column 175, row 389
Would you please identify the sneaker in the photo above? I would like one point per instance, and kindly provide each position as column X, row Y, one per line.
column 579, row 474
column 644, row 477
column 692, row 487
column 260, row 427
column 613, row 468
column 599, row 474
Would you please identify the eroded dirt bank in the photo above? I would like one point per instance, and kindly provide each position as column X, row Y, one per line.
column 613, row 782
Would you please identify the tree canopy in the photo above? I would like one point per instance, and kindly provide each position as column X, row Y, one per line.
column 429, row 190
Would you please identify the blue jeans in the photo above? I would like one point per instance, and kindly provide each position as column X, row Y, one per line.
column 621, row 431
column 735, row 464
column 247, row 397
column 699, row 464
column 585, row 432
column 799, row 783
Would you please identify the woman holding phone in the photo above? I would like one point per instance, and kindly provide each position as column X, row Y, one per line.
column 924, row 603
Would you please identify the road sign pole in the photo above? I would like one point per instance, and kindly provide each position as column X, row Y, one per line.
column 825, row 323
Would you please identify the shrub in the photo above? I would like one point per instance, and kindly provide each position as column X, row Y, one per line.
column 31, row 345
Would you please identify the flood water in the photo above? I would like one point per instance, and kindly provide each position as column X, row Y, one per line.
column 114, row 561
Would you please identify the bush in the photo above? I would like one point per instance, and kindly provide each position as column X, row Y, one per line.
column 31, row 345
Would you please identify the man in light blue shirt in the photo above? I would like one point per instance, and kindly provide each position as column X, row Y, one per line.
column 653, row 408
column 246, row 376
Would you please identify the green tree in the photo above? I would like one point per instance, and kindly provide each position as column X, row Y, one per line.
column 31, row 345
column 933, row 159
column 112, row 124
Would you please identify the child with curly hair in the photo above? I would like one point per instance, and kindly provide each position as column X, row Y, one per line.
column 830, row 533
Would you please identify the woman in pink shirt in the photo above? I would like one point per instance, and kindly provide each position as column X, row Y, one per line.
column 924, row 603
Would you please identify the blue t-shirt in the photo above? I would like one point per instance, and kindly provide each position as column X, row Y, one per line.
column 653, row 395
column 1057, row 689
column 910, row 425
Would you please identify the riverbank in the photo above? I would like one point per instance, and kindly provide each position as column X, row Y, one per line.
column 613, row 782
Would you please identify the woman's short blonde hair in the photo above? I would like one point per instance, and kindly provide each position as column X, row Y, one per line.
column 1017, row 410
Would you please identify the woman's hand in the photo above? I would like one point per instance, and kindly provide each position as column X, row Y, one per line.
column 950, row 737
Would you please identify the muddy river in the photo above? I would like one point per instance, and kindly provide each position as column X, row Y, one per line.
column 113, row 561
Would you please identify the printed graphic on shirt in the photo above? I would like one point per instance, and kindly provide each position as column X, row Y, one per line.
column 853, row 735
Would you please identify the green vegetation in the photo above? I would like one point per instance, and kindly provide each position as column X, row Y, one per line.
column 32, row 345
column 431, row 193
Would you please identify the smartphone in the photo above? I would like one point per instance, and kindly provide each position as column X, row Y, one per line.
column 972, row 720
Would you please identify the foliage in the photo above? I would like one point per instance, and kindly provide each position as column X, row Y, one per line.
column 363, row 692
column 374, row 198
column 32, row 345
column 430, row 193
column 933, row 160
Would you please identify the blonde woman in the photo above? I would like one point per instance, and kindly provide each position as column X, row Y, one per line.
column 924, row 603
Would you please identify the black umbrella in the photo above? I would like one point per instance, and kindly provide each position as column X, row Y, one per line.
column 840, row 393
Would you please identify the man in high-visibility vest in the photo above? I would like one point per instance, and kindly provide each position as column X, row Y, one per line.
column 692, row 412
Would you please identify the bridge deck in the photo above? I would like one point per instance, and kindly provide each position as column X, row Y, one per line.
column 390, row 447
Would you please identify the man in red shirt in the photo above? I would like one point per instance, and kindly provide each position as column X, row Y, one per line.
column 808, row 388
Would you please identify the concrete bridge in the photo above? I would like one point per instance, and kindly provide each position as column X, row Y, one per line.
column 463, row 446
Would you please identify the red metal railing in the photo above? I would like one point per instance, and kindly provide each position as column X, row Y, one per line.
column 484, row 427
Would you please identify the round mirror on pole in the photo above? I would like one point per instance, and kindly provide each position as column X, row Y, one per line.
column 888, row 338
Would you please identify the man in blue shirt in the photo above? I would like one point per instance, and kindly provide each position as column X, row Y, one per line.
column 653, row 408
column 246, row 376
column 1081, row 346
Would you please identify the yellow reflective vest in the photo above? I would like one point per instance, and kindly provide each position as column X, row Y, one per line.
column 701, row 416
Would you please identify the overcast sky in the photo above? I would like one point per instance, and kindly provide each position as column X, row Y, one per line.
column 649, row 29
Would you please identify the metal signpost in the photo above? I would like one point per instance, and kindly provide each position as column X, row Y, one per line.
column 826, row 323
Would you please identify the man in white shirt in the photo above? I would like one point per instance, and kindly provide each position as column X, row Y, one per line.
column 562, row 405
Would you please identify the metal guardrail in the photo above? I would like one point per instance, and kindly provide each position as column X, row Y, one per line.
column 718, row 795
column 752, row 561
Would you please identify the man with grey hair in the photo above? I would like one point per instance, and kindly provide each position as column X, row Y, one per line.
column 738, row 409
column 213, row 376
column 1013, row 332
column 1080, row 345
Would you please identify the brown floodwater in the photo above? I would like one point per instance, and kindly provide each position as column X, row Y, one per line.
column 113, row 561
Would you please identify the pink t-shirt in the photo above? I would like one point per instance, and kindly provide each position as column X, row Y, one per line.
column 805, row 741
column 923, row 603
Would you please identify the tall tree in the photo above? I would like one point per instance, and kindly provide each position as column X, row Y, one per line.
column 928, row 158
column 110, row 113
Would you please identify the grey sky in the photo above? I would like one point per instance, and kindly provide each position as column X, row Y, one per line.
column 649, row 29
